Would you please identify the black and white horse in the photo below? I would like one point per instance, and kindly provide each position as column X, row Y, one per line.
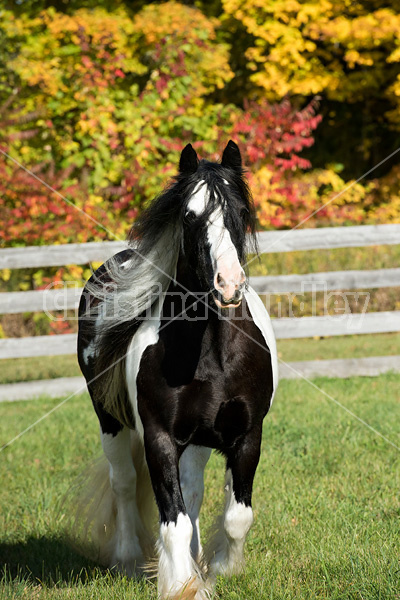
column 179, row 357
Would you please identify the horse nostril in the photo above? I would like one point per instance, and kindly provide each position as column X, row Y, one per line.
column 242, row 281
column 220, row 281
column 237, row 296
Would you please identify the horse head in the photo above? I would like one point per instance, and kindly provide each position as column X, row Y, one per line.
column 217, row 213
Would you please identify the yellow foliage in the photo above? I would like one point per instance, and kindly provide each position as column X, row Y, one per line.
column 170, row 19
column 309, row 47
column 170, row 23
column 5, row 274
column 319, row 197
column 50, row 34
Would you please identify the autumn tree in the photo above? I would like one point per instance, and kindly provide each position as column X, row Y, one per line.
column 347, row 52
column 100, row 100
column 112, row 98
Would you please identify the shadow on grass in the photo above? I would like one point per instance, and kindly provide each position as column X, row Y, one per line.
column 49, row 561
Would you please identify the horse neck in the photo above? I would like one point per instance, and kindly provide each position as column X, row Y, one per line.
column 187, row 278
column 187, row 283
column 193, row 299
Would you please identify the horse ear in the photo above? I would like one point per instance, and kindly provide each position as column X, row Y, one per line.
column 189, row 161
column 231, row 156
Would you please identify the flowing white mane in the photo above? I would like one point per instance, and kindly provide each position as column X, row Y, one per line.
column 131, row 287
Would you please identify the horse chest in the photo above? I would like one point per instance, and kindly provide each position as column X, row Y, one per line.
column 198, row 380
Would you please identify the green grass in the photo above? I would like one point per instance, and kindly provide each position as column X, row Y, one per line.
column 325, row 498
column 347, row 346
column 38, row 367
column 351, row 346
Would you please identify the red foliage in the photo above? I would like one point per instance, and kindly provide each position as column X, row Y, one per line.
column 272, row 137
column 275, row 134
column 33, row 214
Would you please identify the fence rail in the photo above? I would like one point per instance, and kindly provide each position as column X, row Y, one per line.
column 276, row 241
column 332, row 280
column 269, row 241
column 284, row 328
column 68, row 298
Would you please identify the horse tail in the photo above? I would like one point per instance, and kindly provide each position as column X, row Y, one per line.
column 91, row 525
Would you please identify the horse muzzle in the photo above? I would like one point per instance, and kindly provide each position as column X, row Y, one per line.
column 228, row 291
column 233, row 302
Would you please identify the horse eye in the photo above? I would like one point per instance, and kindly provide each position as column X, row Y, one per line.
column 190, row 216
column 244, row 212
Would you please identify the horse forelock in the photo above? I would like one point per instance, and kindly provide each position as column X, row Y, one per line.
column 226, row 188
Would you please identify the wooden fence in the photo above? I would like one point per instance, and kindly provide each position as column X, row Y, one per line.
column 277, row 241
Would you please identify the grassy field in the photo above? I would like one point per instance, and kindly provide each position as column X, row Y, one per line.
column 325, row 499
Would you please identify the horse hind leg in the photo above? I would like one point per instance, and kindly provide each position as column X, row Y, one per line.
column 124, row 549
column 226, row 550
column 191, row 470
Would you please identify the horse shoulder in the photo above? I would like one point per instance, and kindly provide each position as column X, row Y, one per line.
column 262, row 321
column 147, row 335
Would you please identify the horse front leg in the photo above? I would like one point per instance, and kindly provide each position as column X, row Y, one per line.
column 125, row 551
column 226, row 551
column 178, row 574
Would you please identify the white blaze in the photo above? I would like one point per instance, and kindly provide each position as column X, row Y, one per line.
column 224, row 256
